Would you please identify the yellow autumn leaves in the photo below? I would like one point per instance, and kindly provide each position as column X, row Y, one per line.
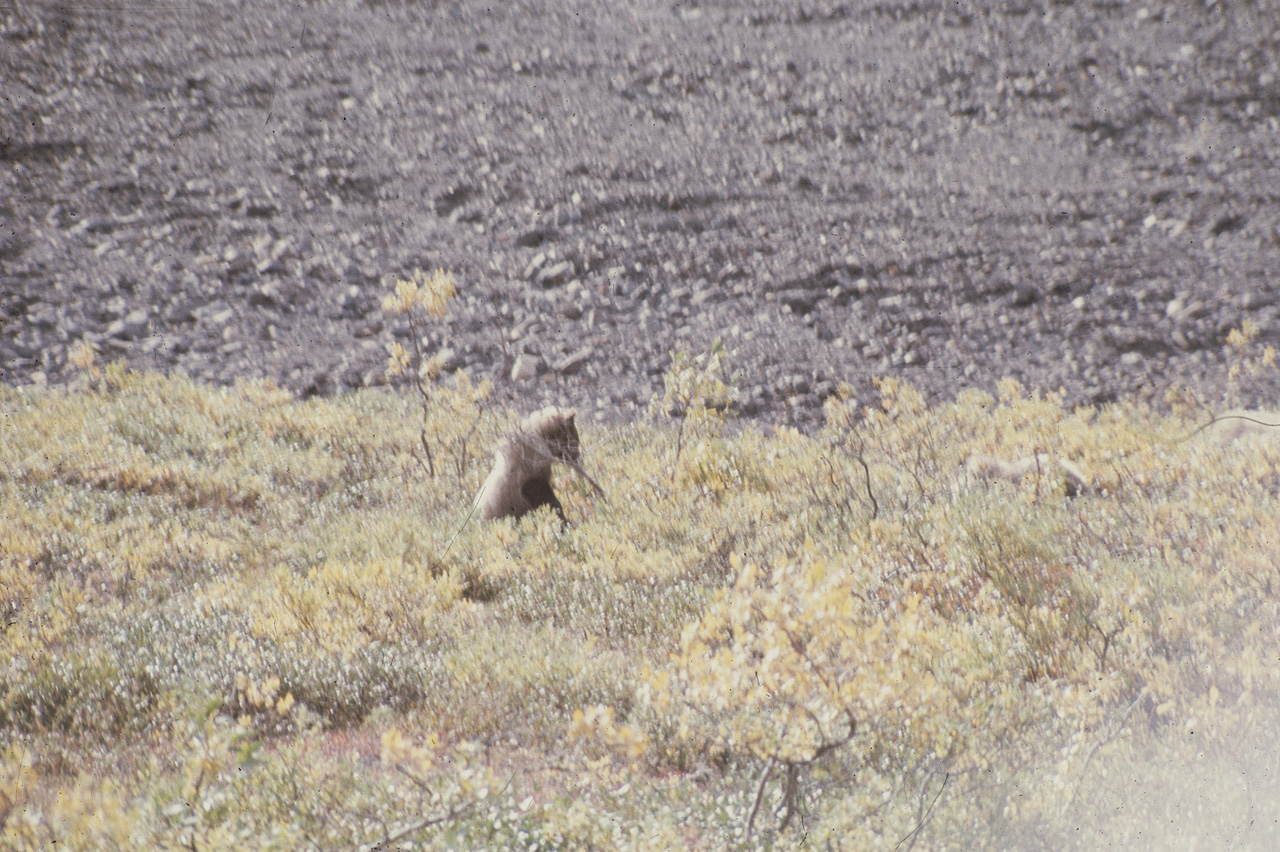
column 421, row 294
column 430, row 292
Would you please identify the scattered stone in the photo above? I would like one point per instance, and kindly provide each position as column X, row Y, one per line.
column 800, row 301
column 526, row 328
column 270, row 259
column 535, row 238
column 450, row 201
column 534, row 265
column 450, row 359
column 239, row 265
column 824, row 389
column 526, row 367
column 793, row 385
column 651, row 240
column 573, row 363
column 1228, row 223
column 1192, row 312
column 135, row 323
column 42, row 316
column 368, row 328
column 131, row 327
column 553, row 275
column 113, row 308
column 261, row 210
column 1024, row 295
column 704, row 293
column 266, row 295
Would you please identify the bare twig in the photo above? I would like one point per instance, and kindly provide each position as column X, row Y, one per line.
column 866, row 471
column 502, row 332
column 1119, row 726
column 790, row 795
column 914, row 835
column 422, row 391
column 755, row 809
column 412, row 828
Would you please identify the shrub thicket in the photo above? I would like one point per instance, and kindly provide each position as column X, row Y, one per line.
column 234, row 620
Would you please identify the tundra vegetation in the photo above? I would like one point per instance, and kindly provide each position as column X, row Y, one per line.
column 233, row 619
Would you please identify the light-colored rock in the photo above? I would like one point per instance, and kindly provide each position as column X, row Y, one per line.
column 574, row 362
column 526, row 367
column 551, row 275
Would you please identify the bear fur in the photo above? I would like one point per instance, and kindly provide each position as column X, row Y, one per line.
column 521, row 478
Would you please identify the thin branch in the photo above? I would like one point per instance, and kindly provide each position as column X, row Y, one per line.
column 458, row 532
column 790, row 795
column 412, row 828
column 502, row 333
column 422, row 391
column 866, row 471
column 913, row 836
column 1119, row 726
column 431, row 462
column 755, row 809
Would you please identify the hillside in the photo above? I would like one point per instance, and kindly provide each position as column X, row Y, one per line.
column 1078, row 195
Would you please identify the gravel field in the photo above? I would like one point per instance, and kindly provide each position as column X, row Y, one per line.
column 1081, row 195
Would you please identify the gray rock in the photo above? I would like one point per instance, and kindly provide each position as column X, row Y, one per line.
column 213, row 313
column 534, row 265
column 450, row 359
column 131, row 327
column 112, row 308
column 526, row 367
column 553, row 275
column 1024, row 295
column 799, row 300
column 136, row 322
column 266, row 295
column 573, row 363
column 42, row 315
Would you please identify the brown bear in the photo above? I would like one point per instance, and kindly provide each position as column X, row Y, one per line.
column 521, row 477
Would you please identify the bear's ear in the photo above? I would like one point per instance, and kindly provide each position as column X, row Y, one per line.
column 569, row 415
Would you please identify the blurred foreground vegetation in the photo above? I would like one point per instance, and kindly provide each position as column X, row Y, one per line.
column 230, row 619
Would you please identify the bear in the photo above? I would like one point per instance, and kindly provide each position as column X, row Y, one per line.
column 521, row 478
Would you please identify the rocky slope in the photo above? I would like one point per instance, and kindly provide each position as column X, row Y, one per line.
column 1082, row 195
